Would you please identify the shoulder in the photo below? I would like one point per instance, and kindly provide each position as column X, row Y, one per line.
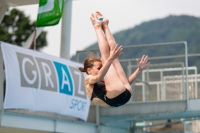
column 90, row 79
column 87, row 78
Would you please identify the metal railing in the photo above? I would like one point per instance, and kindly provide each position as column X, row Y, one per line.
column 146, row 85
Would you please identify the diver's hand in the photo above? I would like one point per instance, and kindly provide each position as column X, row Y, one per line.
column 143, row 62
column 115, row 52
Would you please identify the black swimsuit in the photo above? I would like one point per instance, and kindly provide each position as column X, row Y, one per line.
column 99, row 91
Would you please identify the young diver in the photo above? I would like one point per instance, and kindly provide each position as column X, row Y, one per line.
column 106, row 83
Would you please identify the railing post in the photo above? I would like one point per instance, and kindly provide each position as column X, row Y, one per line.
column 186, row 70
column 143, row 87
column 196, row 85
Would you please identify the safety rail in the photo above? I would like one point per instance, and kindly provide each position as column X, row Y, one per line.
column 145, row 79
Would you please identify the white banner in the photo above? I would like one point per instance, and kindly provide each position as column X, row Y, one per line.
column 41, row 82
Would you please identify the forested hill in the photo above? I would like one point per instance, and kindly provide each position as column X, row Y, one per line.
column 169, row 29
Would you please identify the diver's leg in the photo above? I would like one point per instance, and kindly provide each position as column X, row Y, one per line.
column 114, row 85
column 112, row 43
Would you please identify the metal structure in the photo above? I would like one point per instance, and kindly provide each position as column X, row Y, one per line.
column 161, row 103
column 101, row 120
column 66, row 31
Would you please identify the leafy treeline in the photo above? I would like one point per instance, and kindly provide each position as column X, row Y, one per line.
column 169, row 29
column 16, row 28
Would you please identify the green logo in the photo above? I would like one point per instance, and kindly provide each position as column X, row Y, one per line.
column 49, row 12
column 105, row 97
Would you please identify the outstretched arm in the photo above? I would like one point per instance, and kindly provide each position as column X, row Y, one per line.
column 141, row 65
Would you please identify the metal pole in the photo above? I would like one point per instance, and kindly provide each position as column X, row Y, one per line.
column 158, row 92
column 98, row 119
column 162, row 88
column 34, row 39
column 129, row 68
column 147, row 80
column 55, row 125
column 196, row 85
column 183, row 75
column 143, row 87
column 97, row 115
column 186, row 70
column 66, row 30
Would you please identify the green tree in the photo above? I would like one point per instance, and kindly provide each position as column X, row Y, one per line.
column 16, row 29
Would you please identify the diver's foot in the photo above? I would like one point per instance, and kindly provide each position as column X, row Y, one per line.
column 100, row 17
column 95, row 22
